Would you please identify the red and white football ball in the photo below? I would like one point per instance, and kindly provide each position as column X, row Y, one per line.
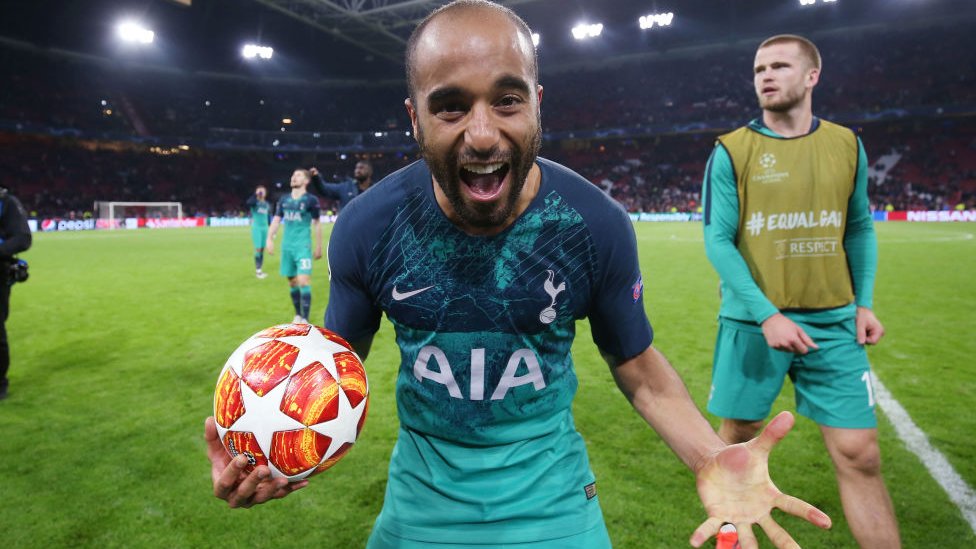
column 292, row 397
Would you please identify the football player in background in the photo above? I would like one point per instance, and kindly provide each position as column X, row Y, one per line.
column 298, row 213
column 260, row 211
column 788, row 228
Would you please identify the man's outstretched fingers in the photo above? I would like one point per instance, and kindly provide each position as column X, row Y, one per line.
column 776, row 534
column 799, row 508
column 705, row 531
column 747, row 538
column 774, row 431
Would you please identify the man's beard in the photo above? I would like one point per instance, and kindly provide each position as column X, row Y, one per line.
column 446, row 172
column 789, row 100
column 360, row 178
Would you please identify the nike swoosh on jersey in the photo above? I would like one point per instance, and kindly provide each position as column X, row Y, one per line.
column 398, row 296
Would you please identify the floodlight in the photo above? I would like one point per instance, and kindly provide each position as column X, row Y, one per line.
column 659, row 19
column 130, row 31
column 286, row 120
column 812, row 2
column 251, row 51
column 585, row 30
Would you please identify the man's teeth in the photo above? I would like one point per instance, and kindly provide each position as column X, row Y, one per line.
column 483, row 169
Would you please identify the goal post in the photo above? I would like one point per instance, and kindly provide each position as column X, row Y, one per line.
column 112, row 211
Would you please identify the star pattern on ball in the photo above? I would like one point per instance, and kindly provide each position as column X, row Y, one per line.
column 263, row 417
column 311, row 348
column 343, row 429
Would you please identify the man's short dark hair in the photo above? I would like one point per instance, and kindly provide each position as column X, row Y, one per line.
column 462, row 5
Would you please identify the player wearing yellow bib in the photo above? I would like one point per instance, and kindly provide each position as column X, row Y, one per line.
column 789, row 230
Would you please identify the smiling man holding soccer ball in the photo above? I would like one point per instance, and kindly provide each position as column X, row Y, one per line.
column 483, row 256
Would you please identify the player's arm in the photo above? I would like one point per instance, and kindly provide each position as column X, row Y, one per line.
column 660, row 397
column 733, row 481
column 861, row 246
column 720, row 199
column 328, row 190
column 316, row 229
column 269, row 243
column 273, row 228
column 352, row 311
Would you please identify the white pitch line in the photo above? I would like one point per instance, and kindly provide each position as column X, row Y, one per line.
column 939, row 467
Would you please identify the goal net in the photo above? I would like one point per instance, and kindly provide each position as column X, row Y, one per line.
column 115, row 212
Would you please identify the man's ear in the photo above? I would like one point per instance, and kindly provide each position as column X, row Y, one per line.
column 412, row 112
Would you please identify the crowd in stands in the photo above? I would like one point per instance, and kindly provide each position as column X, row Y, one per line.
column 672, row 107
column 861, row 78
column 914, row 167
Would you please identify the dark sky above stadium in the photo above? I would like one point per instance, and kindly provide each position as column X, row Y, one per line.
column 208, row 35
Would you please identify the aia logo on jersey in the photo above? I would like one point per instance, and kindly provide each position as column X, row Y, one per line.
column 638, row 288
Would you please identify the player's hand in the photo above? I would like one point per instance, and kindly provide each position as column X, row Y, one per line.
column 735, row 487
column 317, row 254
column 269, row 247
column 232, row 484
column 313, row 171
column 783, row 334
column 869, row 328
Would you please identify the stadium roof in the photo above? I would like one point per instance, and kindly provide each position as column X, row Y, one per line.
column 364, row 39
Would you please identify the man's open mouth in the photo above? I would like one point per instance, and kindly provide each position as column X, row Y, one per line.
column 484, row 181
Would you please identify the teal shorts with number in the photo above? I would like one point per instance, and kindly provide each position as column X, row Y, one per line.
column 832, row 383
column 594, row 538
column 259, row 236
column 296, row 262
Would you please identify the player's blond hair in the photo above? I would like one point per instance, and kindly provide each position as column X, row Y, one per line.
column 807, row 48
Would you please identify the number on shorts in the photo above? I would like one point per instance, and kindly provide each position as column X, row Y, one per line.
column 304, row 263
column 866, row 378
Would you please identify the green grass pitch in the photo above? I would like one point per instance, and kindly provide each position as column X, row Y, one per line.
column 118, row 337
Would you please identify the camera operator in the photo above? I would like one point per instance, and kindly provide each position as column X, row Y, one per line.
column 15, row 237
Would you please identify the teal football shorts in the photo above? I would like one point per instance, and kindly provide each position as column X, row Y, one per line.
column 594, row 538
column 296, row 262
column 259, row 235
column 832, row 384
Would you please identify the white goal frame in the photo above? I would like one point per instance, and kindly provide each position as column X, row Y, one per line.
column 106, row 209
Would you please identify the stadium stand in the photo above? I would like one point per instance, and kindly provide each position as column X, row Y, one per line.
column 640, row 128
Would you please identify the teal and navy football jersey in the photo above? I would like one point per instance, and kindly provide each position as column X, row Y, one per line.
column 487, row 445
column 260, row 212
column 296, row 215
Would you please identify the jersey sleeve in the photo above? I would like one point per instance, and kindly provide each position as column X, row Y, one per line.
column 860, row 240
column 720, row 199
column 251, row 202
column 619, row 324
column 352, row 311
column 279, row 208
column 313, row 206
